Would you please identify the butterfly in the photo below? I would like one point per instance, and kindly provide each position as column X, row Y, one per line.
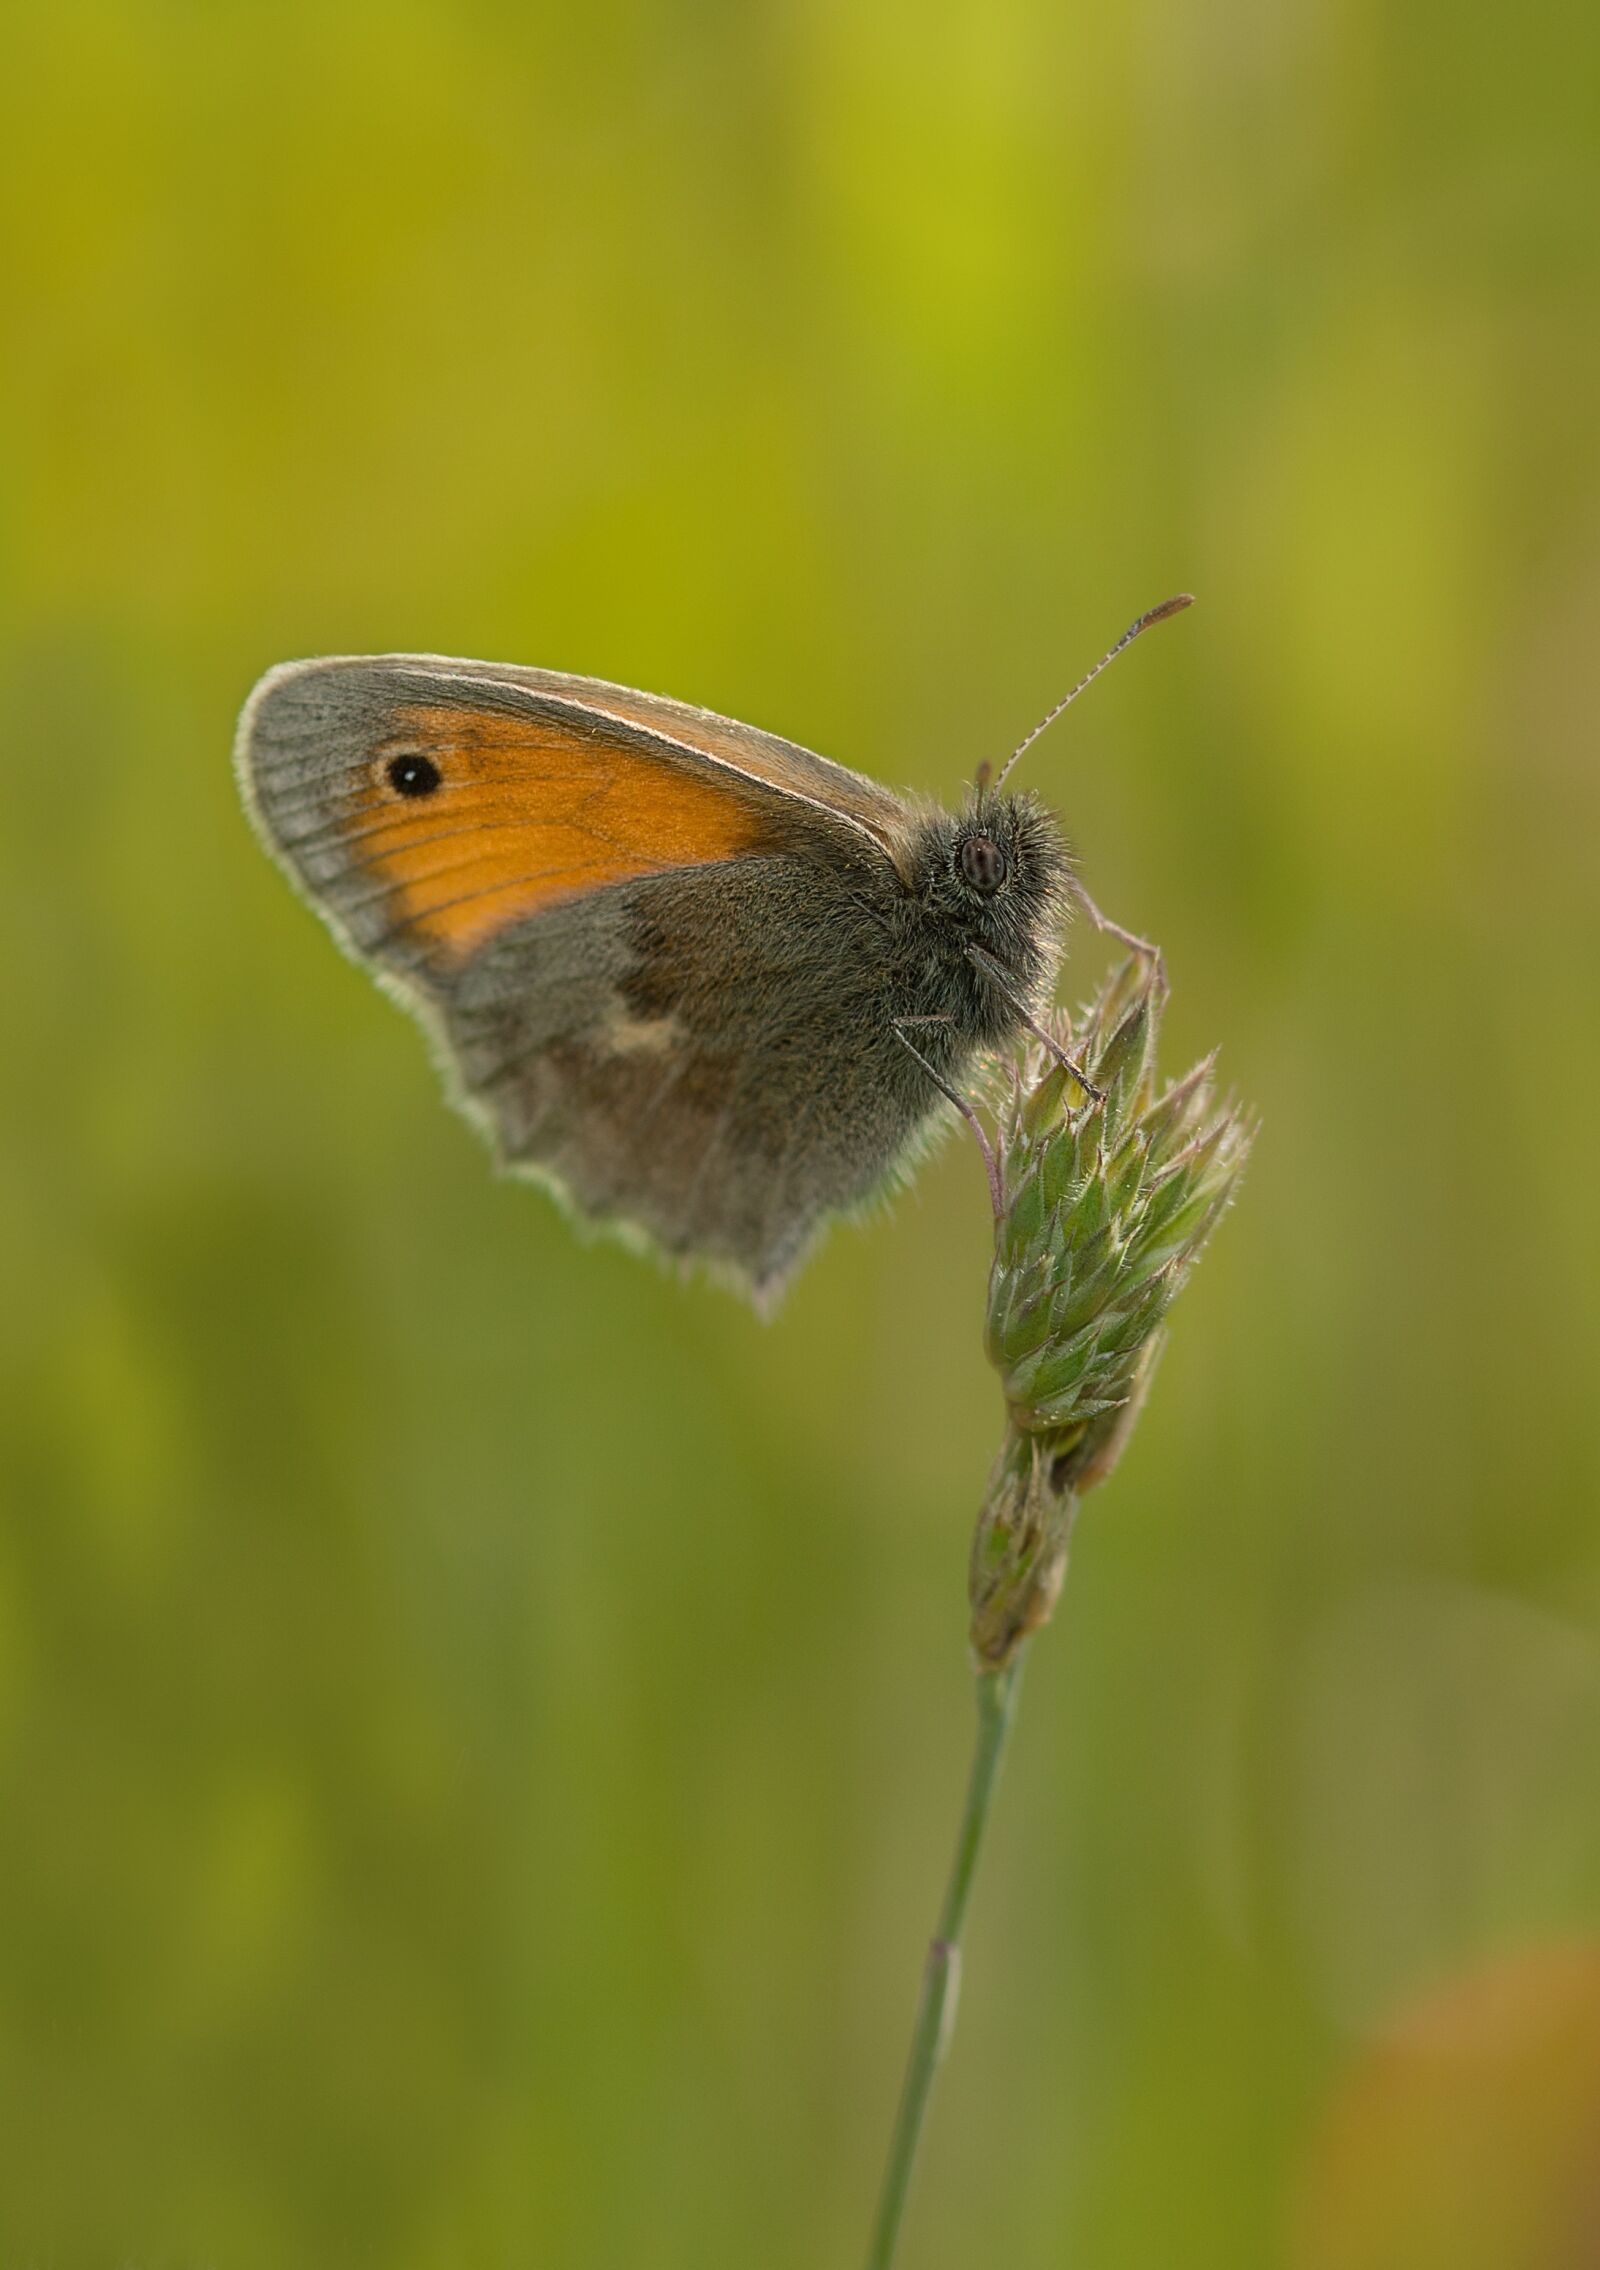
column 709, row 987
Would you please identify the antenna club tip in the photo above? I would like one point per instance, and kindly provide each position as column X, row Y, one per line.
column 1155, row 615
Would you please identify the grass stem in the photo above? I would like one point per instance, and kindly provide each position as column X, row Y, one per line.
column 941, row 1977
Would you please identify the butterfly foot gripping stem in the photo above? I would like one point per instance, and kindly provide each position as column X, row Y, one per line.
column 992, row 969
column 1129, row 938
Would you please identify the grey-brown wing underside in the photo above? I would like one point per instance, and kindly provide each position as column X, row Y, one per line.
column 640, row 957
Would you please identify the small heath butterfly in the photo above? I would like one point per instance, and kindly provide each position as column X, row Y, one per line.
column 708, row 986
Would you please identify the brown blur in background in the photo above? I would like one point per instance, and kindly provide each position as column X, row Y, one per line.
column 481, row 1723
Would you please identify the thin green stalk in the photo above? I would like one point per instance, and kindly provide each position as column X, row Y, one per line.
column 941, row 1977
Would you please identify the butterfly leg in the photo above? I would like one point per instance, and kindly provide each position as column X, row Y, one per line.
column 1047, row 1040
column 990, row 1163
column 1110, row 929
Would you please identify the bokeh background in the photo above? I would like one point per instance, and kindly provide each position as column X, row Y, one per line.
column 480, row 1722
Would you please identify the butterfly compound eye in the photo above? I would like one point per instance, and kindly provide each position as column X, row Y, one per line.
column 413, row 776
column 983, row 862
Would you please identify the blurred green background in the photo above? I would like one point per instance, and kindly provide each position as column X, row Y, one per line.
column 481, row 1723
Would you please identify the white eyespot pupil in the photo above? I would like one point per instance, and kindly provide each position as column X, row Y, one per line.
column 413, row 775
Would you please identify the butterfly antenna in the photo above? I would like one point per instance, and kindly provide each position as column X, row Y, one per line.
column 1154, row 615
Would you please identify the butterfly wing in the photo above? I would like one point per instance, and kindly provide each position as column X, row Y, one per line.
column 424, row 804
column 643, row 934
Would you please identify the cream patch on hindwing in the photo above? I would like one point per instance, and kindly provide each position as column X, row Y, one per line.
column 624, row 1034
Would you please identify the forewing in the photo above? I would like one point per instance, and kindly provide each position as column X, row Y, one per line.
column 630, row 925
column 426, row 807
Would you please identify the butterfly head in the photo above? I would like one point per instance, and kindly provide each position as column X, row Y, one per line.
column 995, row 881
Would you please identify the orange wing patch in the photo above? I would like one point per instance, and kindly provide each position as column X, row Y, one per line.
column 471, row 820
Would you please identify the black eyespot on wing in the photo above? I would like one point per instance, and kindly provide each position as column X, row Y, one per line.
column 413, row 775
column 983, row 863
